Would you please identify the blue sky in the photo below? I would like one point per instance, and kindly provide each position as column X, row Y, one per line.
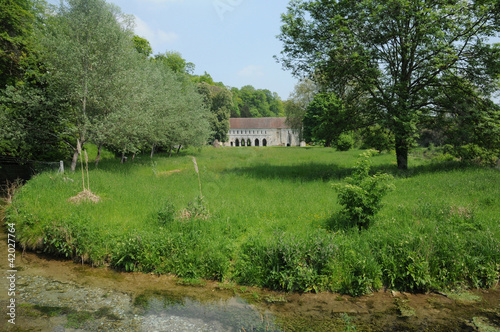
column 233, row 40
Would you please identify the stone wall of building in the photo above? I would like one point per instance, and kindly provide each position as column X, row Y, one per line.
column 261, row 132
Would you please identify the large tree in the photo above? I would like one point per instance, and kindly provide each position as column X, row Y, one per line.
column 400, row 56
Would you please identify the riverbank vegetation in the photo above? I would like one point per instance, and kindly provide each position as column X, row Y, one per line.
column 270, row 217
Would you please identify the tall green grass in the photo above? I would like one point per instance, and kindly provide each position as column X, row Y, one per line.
column 269, row 220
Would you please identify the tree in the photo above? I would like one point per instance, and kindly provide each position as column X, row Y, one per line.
column 296, row 105
column 400, row 54
column 31, row 124
column 175, row 62
column 142, row 46
column 255, row 103
column 86, row 44
column 324, row 119
column 16, row 24
column 219, row 101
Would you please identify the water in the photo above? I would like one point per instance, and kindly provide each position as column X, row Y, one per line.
column 56, row 295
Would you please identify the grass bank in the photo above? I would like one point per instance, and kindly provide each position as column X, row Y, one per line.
column 267, row 218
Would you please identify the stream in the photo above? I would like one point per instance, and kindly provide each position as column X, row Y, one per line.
column 59, row 295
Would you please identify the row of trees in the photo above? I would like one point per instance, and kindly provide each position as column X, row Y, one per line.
column 76, row 73
column 400, row 66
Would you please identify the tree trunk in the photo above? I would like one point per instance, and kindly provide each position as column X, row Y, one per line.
column 152, row 151
column 123, row 158
column 98, row 158
column 74, row 160
column 402, row 153
column 179, row 149
column 170, row 152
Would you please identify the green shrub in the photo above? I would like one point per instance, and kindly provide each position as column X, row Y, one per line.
column 473, row 153
column 362, row 195
column 166, row 214
column 345, row 142
column 378, row 138
column 360, row 273
column 287, row 262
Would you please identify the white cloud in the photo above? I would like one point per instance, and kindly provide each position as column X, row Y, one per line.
column 142, row 29
column 252, row 71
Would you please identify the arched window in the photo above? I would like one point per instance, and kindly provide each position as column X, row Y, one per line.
column 249, row 142
column 256, row 142
column 237, row 142
column 242, row 142
column 264, row 142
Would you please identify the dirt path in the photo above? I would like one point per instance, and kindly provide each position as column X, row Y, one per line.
column 59, row 295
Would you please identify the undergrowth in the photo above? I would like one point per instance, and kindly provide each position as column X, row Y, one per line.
column 267, row 218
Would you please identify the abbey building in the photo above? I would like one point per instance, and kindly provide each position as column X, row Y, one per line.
column 261, row 132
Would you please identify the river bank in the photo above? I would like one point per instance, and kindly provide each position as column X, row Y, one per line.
column 59, row 295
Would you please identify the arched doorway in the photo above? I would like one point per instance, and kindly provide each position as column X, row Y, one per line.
column 264, row 142
column 232, row 144
column 242, row 142
column 237, row 142
column 249, row 142
column 256, row 142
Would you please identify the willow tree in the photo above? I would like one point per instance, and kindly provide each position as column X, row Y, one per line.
column 400, row 55
column 86, row 43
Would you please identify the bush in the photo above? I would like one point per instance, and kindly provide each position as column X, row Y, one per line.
column 288, row 263
column 378, row 138
column 473, row 153
column 166, row 214
column 345, row 142
column 362, row 195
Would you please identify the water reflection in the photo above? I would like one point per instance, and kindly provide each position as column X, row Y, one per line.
column 164, row 311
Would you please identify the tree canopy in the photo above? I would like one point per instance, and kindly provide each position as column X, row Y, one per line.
column 92, row 80
column 254, row 103
column 397, row 58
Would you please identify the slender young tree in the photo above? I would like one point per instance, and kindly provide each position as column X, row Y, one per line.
column 85, row 44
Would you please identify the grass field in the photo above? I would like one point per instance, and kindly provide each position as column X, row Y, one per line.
column 267, row 218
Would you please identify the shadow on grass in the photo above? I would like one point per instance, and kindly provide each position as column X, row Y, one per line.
column 331, row 172
column 303, row 172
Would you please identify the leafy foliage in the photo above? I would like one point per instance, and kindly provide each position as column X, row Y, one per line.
column 378, row 138
column 344, row 142
column 254, row 103
column 361, row 197
column 395, row 58
column 323, row 120
column 16, row 24
column 219, row 101
column 175, row 62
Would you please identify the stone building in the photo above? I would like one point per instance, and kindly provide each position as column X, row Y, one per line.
column 261, row 132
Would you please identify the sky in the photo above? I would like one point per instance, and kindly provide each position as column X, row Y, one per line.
column 232, row 40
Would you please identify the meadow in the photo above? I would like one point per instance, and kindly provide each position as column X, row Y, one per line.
column 268, row 217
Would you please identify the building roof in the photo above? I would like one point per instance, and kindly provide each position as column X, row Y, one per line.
column 258, row 123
